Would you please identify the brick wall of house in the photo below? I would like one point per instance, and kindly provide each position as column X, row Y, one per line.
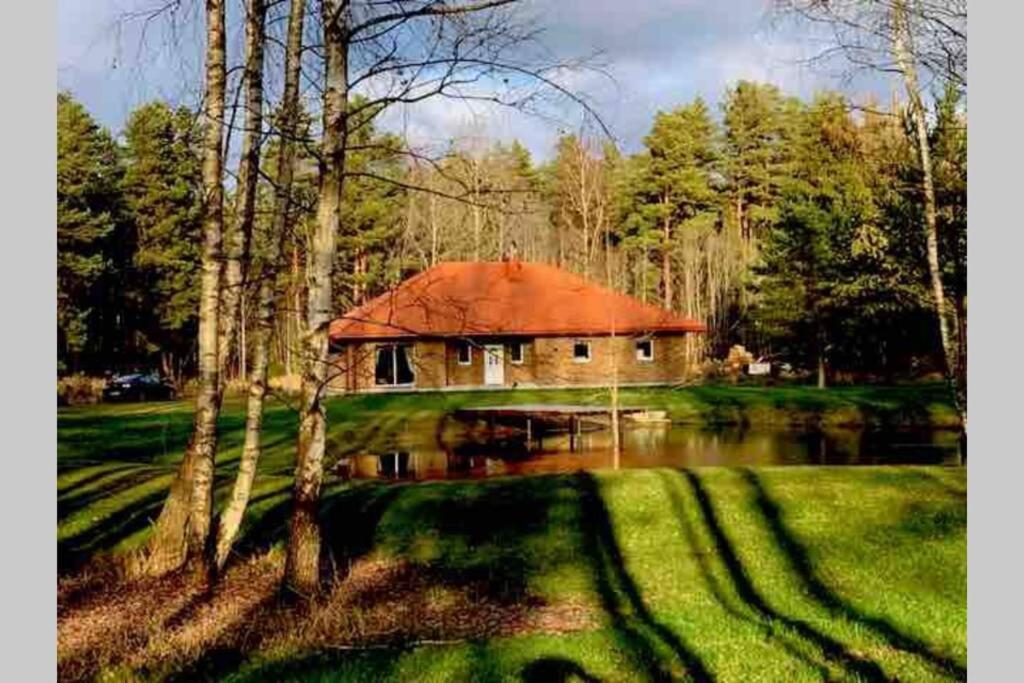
column 547, row 361
column 464, row 375
column 556, row 366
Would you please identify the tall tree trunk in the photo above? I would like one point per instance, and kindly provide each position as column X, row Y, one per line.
column 666, row 264
column 183, row 528
column 239, row 236
column 231, row 520
column 302, row 567
column 614, row 413
column 903, row 53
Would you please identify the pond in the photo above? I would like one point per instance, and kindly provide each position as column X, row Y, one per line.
column 456, row 454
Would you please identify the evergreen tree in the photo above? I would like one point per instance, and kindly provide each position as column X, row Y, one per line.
column 370, row 210
column 758, row 124
column 826, row 265
column 88, row 219
column 675, row 189
column 161, row 188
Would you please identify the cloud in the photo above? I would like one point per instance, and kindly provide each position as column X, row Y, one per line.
column 653, row 54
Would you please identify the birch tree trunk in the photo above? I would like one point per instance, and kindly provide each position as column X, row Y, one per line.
column 231, row 520
column 903, row 54
column 239, row 236
column 302, row 566
column 183, row 528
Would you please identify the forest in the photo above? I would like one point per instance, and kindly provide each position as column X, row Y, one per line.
column 791, row 227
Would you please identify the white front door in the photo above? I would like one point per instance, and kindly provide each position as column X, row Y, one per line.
column 494, row 364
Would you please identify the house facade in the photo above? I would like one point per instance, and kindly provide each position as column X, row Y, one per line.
column 506, row 325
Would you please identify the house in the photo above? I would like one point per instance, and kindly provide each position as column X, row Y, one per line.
column 504, row 325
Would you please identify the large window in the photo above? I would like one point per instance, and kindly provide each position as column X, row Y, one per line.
column 581, row 351
column 516, row 352
column 645, row 350
column 465, row 353
column 393, row 365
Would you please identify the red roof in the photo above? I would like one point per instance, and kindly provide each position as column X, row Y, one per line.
column 503, row 298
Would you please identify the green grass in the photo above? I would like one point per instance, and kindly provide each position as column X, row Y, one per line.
column 795, row 573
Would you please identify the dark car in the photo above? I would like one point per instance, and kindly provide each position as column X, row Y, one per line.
column 138, row 387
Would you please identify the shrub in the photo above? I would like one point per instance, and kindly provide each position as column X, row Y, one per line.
column 79, row 389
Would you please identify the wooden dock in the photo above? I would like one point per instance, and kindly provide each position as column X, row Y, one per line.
column 537, row 418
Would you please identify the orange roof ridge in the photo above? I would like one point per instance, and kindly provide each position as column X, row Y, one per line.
column 509, row 298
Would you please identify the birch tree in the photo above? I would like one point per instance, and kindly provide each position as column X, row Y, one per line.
column 239, row 233
column 397, row 53
column 183, row 528
column 233, row 514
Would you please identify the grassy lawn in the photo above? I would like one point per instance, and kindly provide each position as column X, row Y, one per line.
column 798, row 573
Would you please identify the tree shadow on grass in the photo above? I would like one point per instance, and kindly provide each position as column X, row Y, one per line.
column 752, row 598
column 118, row 482
column 632, row 620
column 556, row 670
column 799, row 559
column 104, row 471
column 745, row 612
column 76, row 550
column 349, row 524
column 940, row 483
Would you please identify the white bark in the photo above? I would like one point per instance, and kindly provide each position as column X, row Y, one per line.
column 183, row 527
column 234, row 513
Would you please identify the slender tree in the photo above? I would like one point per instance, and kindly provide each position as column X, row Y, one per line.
column 903, row 51
column 302, row 567
column 410, row 51
column 231, row 518
column 183, row 528
column 238, row 238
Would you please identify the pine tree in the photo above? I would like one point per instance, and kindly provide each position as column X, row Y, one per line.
column 826, row 256
column 676, row 187
column 758, row 124
column 161, row 187
column 372, row 210
column 88, row 221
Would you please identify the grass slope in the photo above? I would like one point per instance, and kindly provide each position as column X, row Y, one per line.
column 798, row 573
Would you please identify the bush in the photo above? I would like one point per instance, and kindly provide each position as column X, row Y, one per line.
column 79, row 389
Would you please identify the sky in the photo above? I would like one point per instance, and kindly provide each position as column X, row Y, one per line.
column 654, row 55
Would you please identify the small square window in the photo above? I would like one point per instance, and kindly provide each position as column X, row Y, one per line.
column 581, row 352
column 516, row 353
column 465, row 353
column 645, row 350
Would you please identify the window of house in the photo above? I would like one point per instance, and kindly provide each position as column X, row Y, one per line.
column 465, row 353
column 581, row 352
column 516, row 353
column 645, row 350
column 393, row 367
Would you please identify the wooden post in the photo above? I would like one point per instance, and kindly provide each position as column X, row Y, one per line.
column 572, row 433
column 529, row 434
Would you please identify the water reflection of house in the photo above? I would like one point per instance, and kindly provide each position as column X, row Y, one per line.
column 505, row 325
column 400, row 464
